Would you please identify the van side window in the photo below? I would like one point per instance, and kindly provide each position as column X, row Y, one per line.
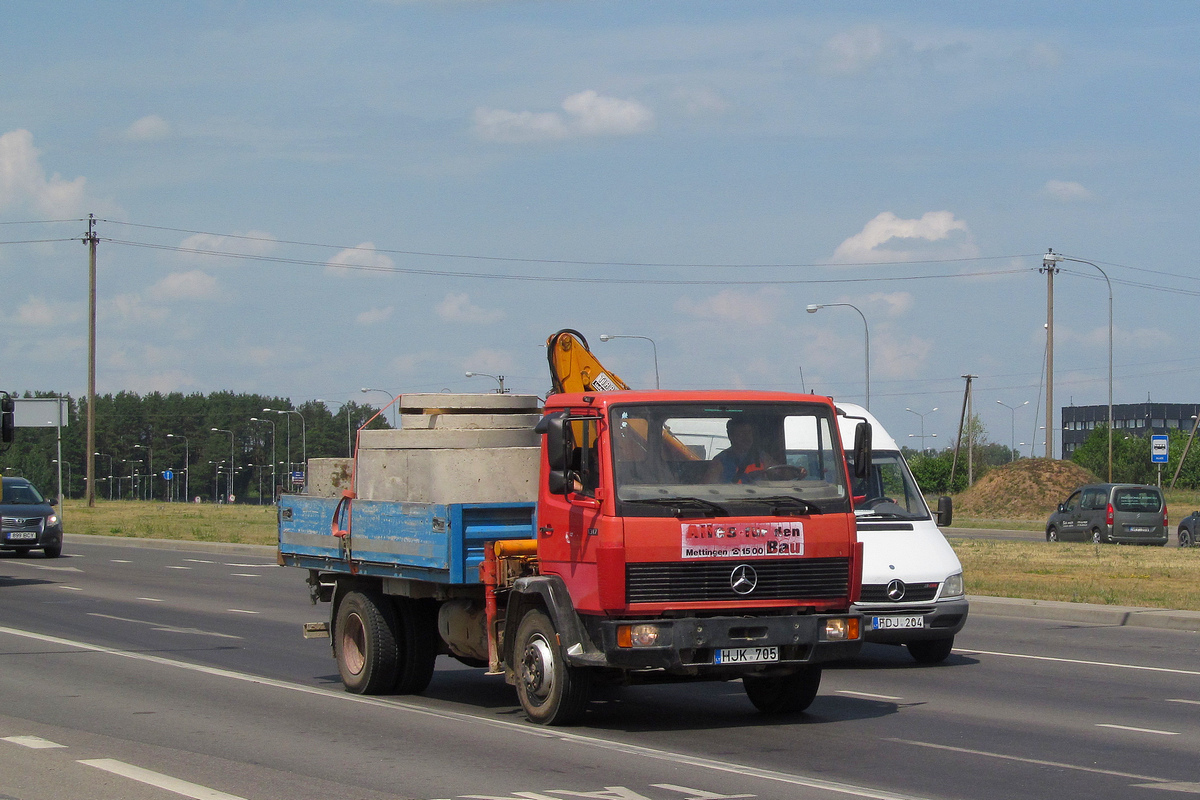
column 1093, row 499
column 1072, row 501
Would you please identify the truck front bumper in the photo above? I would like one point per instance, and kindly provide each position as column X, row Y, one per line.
column 690, row 645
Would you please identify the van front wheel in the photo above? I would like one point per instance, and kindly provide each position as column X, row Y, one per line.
column 1097, row 536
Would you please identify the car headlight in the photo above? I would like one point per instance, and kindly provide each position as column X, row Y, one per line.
column 51, row 520
column 953, row 587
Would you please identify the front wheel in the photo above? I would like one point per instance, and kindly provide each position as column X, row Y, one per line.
column 787, row 694
column 1051, row 534
column 551, row 691
column 1186, row 538
column 53, row 551
column 930, row 651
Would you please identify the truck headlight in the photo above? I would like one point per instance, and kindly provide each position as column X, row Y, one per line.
column 953, row 587
column 841, row 629
column 637, row 635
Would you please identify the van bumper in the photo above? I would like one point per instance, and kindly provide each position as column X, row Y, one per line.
column 938, row 621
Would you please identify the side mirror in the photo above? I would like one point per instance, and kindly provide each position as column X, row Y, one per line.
column 945, row 511
column 553, row 426
column 862, row 450
column 1062, row 507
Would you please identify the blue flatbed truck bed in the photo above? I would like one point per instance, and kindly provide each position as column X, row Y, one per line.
column 442, row 544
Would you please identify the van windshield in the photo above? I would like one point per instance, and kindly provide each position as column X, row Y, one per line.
column 698, row 459
column 889, row 491
column 1137, row 500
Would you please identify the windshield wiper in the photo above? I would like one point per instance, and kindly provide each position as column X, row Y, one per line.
column 678, row 503
column 789, row 501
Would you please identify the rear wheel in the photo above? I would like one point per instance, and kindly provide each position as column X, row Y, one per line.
column 930, row 651
column 551, row 691
column 364, row 643
column 1097, row 536
column 416, row 634
column 787, row 694
column 1051, row 534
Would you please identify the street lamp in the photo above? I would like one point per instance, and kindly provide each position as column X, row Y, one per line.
column 271, row 422
column 67, row 464
column 186, row 463
column 815, row 307
column 346, row 405
column 922, row 416
column 216, row 479
column 132, row 476
column 605, row 337
column 149, row 465
column 303, row 440
column 1012, row 429
column 1051, row 258
column 498, row 378
column 922, row 437
column 229, row 486
column 395, row 412
column 110, row 472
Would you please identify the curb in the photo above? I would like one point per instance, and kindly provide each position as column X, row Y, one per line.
column 1120, row 616
column 230, row 548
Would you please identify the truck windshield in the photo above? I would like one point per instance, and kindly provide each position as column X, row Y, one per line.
column 889, row 491
column 684, row 459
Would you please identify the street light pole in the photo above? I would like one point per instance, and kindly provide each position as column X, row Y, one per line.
column 1052, row 258
column 922, row 416
column 604, row 337
column 303, row 441
column 149, row 466
column 815, row 307
column 186, row 464
column 395, row 411
column 271, row 422
column 499, row 378
column 228, row 486
column 110, row 473
column 1012, row 429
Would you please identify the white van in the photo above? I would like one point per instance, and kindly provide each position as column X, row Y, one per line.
column 912, row 592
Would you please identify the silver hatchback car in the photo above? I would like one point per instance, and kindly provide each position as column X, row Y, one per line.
column 1125, row 513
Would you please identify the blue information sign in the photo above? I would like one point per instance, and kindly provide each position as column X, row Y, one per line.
column 1158, row 449
column 168, row 475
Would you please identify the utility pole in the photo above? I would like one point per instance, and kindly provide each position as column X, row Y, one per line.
column 963, row 424
column 1050, row 266
column 90, row 240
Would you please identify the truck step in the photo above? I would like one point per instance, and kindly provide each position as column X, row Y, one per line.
column 316, row 630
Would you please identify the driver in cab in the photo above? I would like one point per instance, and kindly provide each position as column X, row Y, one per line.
column 743, row 457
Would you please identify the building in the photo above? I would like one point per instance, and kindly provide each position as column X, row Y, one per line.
column 1141, row 419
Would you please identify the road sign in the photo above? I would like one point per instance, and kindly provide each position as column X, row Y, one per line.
column 1158, row 449
column 168, row 475
column 297, row 477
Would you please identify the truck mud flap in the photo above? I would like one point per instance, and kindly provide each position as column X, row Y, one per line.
column 553, row 594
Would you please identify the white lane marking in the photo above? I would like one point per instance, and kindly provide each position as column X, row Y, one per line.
column 1175, row 786
column 157, row 779
column 1189, row 702
column 240, row 611
column 120, row 561
column 33, row 742
column 679, row 759
column 150, row 599
column 1038, row 761
column 164, row 628
column 244, row 575
column 35, row 565
column 72, row 588
column 868, row 695
column 253, row 566
column 1080, row 661
column 1135, row 730
column 199, row 561
column 173, row 566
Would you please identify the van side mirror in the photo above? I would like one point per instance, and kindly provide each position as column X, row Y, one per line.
column 945, row 511
column 862, row 450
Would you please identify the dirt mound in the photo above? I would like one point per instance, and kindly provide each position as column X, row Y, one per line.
column 1026, row 489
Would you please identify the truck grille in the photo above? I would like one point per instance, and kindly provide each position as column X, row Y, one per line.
column 776, row 579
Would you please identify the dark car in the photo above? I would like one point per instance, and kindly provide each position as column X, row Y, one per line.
column 1126, row 513
column 1189, row 530
column 28, row 520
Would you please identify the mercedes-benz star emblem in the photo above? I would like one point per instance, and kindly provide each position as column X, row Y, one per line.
column 743, row 579
column 895, row 590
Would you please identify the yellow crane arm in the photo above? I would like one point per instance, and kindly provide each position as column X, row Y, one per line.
column 573, row 368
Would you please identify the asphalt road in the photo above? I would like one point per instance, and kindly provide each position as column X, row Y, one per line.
column 139, row 672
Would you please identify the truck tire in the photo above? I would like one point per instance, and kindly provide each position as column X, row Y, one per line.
column 417, row 645
column 787, row 694
column 364, row 643
column 930, row 651
column 551, row 691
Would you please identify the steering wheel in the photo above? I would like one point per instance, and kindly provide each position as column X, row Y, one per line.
column 876, row 501
column 779, row 472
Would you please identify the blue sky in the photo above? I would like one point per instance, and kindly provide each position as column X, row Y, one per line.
column 391, row 194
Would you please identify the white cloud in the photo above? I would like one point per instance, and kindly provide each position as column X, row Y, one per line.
column 193, row 285
column 23, row 182
column 1066, row 191
column 131, row 308
column 899, row 356
column 731, row 305
column 148, row 129
column 897, row 303
column 363, row 257
column 373, row 316
column 37, row 312
column 588, row 113
column 853, row 51
column 937, row 234
column 251, row 242
column 459, row 308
